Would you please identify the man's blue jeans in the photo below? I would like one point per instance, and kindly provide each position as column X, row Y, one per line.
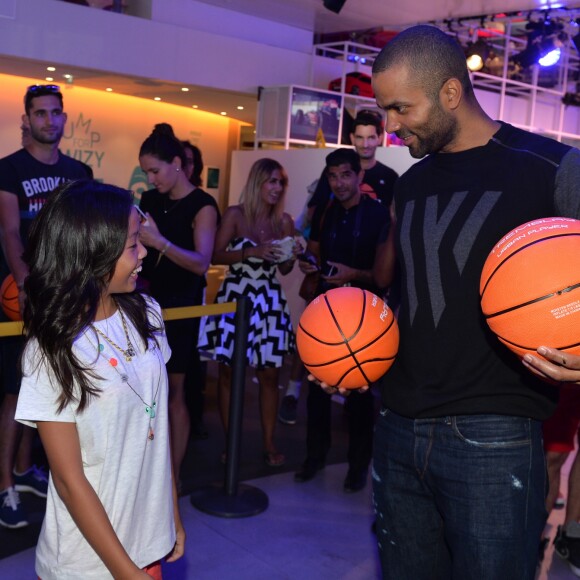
column 459, row 497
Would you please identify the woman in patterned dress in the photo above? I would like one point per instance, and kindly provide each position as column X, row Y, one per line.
column 248, row 241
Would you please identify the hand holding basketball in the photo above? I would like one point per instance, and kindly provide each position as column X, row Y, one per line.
column 530, row 287
column 330, row 390
column 555, row 365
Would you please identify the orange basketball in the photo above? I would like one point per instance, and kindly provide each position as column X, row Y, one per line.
column 530, row 286
column 347, row 337
column 9, row 298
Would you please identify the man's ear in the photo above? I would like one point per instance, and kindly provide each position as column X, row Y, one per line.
column 25, row 121
column 451, row 94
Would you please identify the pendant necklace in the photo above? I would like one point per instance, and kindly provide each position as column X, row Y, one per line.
column 129, row 353
column 166, row 209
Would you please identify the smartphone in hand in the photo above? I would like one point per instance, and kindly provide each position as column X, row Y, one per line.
column 142, row 216
column 328, row 270
column 307, row 257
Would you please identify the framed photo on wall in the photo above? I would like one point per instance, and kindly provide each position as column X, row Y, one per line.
column 213, row 178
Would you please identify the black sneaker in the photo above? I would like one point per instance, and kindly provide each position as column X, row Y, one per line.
column 560, row 502
column 34, row 480
column 12, row 513
column 561, row 544
column 288, row 408
column 567, row 546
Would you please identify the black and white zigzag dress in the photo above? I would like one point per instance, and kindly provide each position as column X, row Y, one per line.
column 271, row 335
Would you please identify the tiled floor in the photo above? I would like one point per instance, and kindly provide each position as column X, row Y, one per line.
column 309, row 531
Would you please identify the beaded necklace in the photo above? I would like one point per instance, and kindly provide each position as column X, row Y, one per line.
column 129, row 353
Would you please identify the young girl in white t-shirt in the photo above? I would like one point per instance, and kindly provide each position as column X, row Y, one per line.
column 94, row 384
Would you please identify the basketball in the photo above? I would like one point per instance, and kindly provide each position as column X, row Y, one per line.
column 347, row 337
column 530, row 286
column 9, row 297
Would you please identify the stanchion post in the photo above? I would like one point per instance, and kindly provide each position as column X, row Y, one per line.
column 237, row 389
column 233, row 500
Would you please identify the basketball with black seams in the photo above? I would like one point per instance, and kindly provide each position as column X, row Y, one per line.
column 530, row 286
column 347, row 337
column 9, row 294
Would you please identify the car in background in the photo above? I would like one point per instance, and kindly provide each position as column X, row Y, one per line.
column 355, row 83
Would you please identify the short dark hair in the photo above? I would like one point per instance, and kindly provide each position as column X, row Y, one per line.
column 343, row 155
column 368, row 118
column 163, row 144
column 432, row 56
column 34, row 91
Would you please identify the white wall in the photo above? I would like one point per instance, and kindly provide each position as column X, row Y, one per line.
column 63, row 33
column 217, row 20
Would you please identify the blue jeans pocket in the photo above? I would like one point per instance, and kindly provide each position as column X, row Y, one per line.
column 493, row 431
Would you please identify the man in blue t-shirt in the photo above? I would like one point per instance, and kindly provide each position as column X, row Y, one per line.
column 26, row 179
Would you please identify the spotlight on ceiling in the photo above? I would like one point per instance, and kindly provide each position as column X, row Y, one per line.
column 476, row 54
column 575, row 35
column 545, row 41
column 334, row 5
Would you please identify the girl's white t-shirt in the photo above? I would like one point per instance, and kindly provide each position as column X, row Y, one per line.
column 130, row 473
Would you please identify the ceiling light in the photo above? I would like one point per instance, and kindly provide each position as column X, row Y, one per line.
column 575, row 34
column 67, row 76
column 195, row 106
column 545, row 41
column 49, row 79
column 550, row 58
column 223, row 113
column 185, row 89
column 240, row 108
column 50, row 68
column 109, row 89
column 476, row 54
column 156, row 98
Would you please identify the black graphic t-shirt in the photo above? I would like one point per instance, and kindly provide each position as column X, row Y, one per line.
column 451, row 209
column 32, row 181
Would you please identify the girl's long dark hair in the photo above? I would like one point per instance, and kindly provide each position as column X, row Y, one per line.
column 73, row 247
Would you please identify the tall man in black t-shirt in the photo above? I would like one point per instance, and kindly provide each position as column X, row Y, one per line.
column 377, row 180
column 458, row 469
column 345, row 239
column 26, row 178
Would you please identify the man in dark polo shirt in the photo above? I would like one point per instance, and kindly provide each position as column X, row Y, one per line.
column 344, row 241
